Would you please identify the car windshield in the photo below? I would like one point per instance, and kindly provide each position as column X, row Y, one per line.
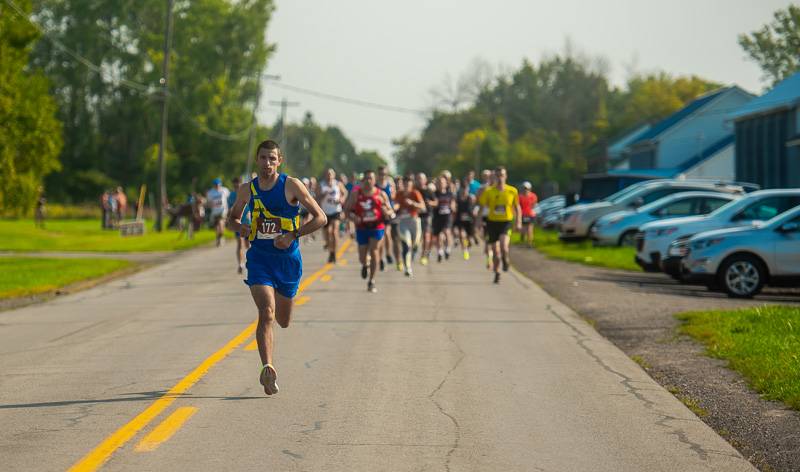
column 616, row 197
column 652, row 206
column 733, row 204
column 778, row 219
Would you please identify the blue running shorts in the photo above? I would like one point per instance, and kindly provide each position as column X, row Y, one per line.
column 281, row 271
column 364, row 235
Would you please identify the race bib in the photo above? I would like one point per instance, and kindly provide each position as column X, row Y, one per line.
column 268, row 228
column 444, row 210
column 500, row 209
column 216, row 203
column 369, row 216
column 465, row 216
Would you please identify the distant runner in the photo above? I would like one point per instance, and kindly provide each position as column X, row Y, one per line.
column 369, row 206
column 527, row 202
column 465, row 218
column 331, row 196
column 409, row 203
column 217, row 201
column 242, row 243
column 425, row 216
column 502, row 202
column 274, row 264
column 443, row 209
column 385, row 183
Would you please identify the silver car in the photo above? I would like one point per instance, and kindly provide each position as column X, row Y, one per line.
column 577, row 220
column 742, row 260
column 619, row 228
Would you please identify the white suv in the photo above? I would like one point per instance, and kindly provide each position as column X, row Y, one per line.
column 577, row 220
column 653, row 240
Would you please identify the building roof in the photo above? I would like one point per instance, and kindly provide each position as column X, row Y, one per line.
column 628, row 137
column 675, row 118
column 672, row 172
column 785, row 94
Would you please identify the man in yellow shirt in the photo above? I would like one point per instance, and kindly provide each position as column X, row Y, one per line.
column 502, row 202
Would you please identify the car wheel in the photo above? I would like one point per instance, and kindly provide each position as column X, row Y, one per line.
column 742, row 276
column 628, row 238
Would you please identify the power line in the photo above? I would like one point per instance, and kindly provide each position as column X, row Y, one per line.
column 348, row 100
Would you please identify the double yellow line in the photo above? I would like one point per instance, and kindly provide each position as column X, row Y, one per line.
column 100, row 454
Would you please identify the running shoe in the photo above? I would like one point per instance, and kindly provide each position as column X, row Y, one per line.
column 332, row 258
column 424, row 260
column 466, row 255
column 505, row 264
column 371, row 287
column 408, row 272
column 383, row 267
column 439, row 257
column 497, row 277
column 269, row 379
column 447, row 255
column 389, row 259
column 364, row 272
column 399, row 267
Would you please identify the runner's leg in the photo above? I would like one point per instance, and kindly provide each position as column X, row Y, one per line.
column 264, row 297
column 374, row 250
column 283, row 310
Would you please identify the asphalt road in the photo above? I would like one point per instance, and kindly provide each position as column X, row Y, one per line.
column 444, row 371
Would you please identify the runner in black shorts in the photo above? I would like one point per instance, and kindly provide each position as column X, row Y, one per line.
column 425, row 216
column 502, row 201
column 465, row 218
column 443, row 218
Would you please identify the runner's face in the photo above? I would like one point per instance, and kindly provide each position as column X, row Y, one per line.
column 330, row 175
column 500, row 176
column 268, row 161
column 368, row 181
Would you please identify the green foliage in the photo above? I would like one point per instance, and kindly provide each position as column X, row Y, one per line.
column 761, row 343
column 549, row 122
column 776, row 46
column 311, row 149
column 30, row 135
column 112, row 124
column 24, row 276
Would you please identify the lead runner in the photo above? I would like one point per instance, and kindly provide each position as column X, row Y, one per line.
column 274, row 264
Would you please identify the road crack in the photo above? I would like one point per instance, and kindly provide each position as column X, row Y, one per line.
column 628, row 383
column 432, row 398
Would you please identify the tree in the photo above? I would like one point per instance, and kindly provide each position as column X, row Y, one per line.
column 30, row 137
column 776, row 46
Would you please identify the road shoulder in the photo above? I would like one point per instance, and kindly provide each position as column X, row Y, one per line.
column 635, row 312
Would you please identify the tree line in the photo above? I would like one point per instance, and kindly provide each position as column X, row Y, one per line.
column 80, row 98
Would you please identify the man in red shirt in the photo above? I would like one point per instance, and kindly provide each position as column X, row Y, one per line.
column 527, row 202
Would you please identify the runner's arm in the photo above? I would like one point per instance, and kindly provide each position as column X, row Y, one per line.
column 386, row 207
column 300, row 193
column 517, row 212
column 344, row 193
column 235, row 213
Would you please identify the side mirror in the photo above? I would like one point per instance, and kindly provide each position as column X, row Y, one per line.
column 639, row 201
column 790, row 227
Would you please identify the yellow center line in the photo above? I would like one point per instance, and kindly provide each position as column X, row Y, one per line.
column 166, row 429
column 326, row 278
column 100, row 454
column 304, row 299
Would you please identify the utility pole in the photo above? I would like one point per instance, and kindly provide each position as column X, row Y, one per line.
column 284, row 104
column 162, row 180
column 252, row 141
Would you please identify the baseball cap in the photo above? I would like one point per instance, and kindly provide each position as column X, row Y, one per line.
column 217, row 181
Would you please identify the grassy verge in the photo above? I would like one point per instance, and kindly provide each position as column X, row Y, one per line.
column 86, row 235
column 762, row 343
column 547, row 242
column 23, row 276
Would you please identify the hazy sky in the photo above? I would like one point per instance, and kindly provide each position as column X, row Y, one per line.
column 394, row 52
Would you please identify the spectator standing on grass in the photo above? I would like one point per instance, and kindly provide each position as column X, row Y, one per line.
column 527, row 201
column 122, row 204
column 104, row 222
column 40, row 211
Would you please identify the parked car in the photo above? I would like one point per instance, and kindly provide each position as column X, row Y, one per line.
column 596, row 187
column 548, row 211
column 653, row 239
column 577, row 220
column 619, row 228
column 742, row 260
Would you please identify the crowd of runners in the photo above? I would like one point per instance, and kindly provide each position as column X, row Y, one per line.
column 396, row 222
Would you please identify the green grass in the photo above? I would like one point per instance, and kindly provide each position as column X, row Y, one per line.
column 763, row 344
column 22, row 276
column 547, row 242
column 86, row 235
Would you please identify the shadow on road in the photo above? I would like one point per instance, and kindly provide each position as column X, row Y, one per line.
column 125, row 397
